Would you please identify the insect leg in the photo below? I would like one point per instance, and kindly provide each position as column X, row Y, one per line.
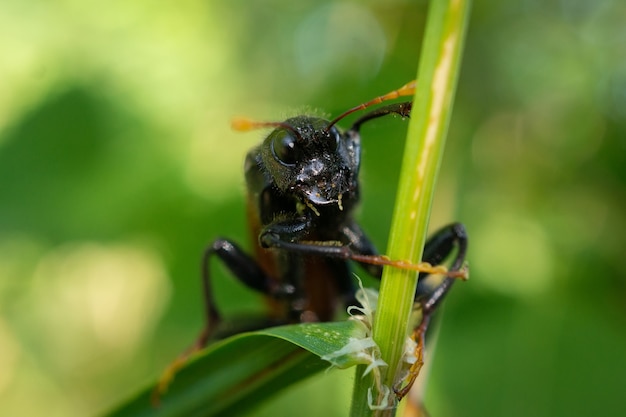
column 242, row 266
column 436, row 250
column 429, row 295
column 360, row 244
column 246, row 270
column 280, row 235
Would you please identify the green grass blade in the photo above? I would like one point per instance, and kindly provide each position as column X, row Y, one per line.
column 432, row 106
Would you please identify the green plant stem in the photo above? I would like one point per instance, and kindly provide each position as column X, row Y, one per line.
column 432, row 105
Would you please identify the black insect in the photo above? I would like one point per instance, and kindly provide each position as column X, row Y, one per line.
column 302, row 187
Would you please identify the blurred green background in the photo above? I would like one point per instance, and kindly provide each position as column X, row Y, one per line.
column 117, row 167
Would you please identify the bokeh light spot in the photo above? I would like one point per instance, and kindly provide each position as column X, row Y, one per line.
column 339, row 36
column 511, row 254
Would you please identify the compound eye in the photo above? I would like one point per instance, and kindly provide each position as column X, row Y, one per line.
column 284, row 148
column 335, row 137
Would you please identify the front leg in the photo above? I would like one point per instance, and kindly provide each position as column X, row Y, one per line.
column 362, row 245
column 288, row 235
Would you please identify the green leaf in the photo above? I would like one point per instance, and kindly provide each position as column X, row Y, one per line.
column 236, row 374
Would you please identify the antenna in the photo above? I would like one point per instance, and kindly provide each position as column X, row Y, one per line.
column 406, row 90
column 243, row 124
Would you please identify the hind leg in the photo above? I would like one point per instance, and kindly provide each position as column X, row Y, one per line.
column 431, row 292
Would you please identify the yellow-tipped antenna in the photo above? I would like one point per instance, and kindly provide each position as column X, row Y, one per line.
column 407, row 89
column 243, row 124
